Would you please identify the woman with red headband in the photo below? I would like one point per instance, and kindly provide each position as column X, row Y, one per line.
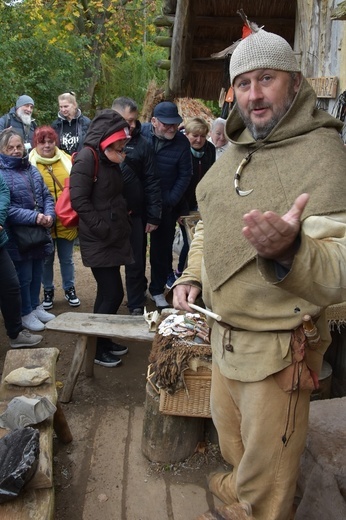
column 104, row 227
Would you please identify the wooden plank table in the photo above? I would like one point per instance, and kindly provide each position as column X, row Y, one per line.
column 36, row 501
column 88, row 327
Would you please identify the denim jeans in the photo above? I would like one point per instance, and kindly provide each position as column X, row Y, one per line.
column 64, row 249
column 10, row 300
column 161, row 256
column 30, row 274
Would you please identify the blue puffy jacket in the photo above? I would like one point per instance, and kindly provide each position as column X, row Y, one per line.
column 173, row 164
column 4, row 204
column 21, row 177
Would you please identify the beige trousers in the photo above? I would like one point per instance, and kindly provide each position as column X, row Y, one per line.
column 251, row 420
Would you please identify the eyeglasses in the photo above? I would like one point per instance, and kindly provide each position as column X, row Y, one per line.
column 11, row 148
column 167, row 125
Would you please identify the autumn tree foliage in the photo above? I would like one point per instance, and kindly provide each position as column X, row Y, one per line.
column 100, row 49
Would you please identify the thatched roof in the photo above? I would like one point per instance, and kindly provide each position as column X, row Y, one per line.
column 196, row 29
column 187, row 107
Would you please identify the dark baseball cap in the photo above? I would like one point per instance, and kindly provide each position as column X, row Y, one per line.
column 167, row 113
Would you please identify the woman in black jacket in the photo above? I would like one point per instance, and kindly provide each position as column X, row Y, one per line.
column 104, row 227
column 71, row 125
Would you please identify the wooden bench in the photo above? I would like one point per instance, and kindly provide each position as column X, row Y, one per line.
column 37, row 499
column 88, row 327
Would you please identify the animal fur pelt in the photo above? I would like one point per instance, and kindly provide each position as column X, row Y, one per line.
column 170, row 356
column 237, row 511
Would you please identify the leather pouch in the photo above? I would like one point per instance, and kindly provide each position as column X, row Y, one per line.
column 297, row 374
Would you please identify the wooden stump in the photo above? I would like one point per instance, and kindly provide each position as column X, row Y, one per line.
column 211, row 432
column 168, row 438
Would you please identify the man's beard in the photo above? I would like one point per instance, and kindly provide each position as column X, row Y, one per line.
column 262, row 131
column 26, row 118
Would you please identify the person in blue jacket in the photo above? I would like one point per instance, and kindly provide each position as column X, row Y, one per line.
column 30, row 204
column 10, row 299
column 174, row 167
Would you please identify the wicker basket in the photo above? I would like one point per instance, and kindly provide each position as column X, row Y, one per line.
column 336, row 313
column 191, row 401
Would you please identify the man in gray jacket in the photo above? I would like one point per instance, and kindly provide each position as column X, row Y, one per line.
column 20, row 119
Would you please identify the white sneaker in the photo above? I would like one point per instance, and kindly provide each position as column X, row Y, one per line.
column 26, row 339
column 43, row 315
column 160, row 301
column 31, row 322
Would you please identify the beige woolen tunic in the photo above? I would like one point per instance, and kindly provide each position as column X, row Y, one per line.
column 303, row 153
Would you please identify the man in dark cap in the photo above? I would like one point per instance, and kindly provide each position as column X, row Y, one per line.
column 265, row 270
column 174, row 168
column 20, row 119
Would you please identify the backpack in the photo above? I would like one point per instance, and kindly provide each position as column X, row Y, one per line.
column 96, row 170
column 63, row 208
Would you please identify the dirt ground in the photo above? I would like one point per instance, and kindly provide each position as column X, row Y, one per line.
column 111, row 390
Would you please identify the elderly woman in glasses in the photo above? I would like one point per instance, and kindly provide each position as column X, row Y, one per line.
column 31, row 204
column 54, row 166
column 104, row 226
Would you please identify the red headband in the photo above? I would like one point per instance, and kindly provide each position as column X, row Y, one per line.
column 117, row 136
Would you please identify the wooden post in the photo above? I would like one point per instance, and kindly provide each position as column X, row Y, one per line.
column 168, row 438
column 61, row 426
column 76, row 366
column 90, row 356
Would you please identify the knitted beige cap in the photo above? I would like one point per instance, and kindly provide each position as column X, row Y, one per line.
column 262, row 50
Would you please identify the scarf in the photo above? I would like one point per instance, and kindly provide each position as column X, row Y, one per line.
column 65, row 159
column 197, row 153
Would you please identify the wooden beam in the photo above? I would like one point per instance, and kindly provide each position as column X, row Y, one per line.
column 164, row 21
column 220, row 21
column 164, row 64
column 181, row 46
column 163, row 41
column 169, row 6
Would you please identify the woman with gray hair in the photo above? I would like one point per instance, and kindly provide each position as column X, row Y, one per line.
column 31, row 204
column 217, row 136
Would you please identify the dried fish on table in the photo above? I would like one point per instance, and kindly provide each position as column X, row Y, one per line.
column 180, row 338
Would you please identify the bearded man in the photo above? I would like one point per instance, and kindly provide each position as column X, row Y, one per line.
column 20, row 119
column 270, row 249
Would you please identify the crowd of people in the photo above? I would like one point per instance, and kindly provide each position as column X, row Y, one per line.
column 157, row 167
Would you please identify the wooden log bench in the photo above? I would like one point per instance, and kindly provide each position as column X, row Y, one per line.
column 37, row 499
column 88, row 327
